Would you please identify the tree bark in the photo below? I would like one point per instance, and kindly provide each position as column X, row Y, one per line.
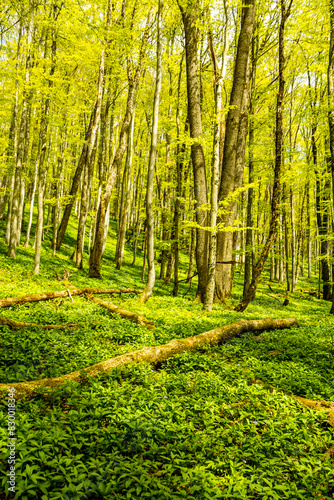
column 230, row 156
column 150, row 174
column 210, row 287
column 249, row 243
column 191, row 256
column 190, row 16
column 180, row 159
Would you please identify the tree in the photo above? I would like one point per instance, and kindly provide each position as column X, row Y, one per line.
column 258, row 268
column 235, row 134
column 150, row 173
column 190, row 15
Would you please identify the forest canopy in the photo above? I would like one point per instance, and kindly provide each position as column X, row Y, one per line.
column 200, row 125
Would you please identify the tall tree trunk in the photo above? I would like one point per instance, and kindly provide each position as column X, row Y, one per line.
column 210, row 288
column 258, row 268
column 229, row 175
column 293, row 241
column 249, row 251
column 150, row 174
column 287, row 250
column 322, row 195
column 180, row 158
column 190, row 17
column 309, row 232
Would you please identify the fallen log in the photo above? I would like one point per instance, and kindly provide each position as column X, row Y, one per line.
column 132, row 316
column 19, row 325
column 155, row 354
column 321, row 405
column 37, row 297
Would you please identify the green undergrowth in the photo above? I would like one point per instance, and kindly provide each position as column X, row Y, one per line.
column 197, row 426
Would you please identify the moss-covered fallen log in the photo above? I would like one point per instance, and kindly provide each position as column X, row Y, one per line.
column 155, row 354
column 20, row 325
column 140, row 319
column 37, row 297
column 319, row 405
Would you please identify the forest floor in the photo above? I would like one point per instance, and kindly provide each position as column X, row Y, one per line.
column 197, row 426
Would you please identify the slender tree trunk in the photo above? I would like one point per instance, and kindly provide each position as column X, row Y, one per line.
column 126, row 206
column 32, row 201
column 138, row 221
column 293, row 241
column 322, row 196
column 250, row 293
column 287, row 252
column 190, row 18
column 144, row 253
column 58, row 191
column 309, row 240
column 249, row 253
column 210, row 288
column 180, row 158
column 150, row 174
column 191, row 256
column 300, row 241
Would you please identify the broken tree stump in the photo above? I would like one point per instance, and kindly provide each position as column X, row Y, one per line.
column 140, row 319
column 154, row 354
column 37, row 297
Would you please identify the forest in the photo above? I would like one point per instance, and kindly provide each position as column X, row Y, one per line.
column 167, row 249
